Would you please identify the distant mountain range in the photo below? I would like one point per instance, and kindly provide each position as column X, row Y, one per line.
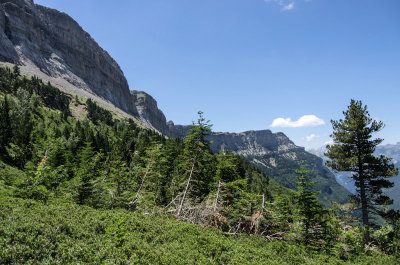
column 389, row 150
column 51, row 45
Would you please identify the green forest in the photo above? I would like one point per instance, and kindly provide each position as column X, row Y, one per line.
column 79, row 184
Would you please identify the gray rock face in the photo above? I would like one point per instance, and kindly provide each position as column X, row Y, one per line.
column 252, row 143
column 54, row 43
column 7, row 51
column 149, row 112
column 277, row 156
column 177, row 131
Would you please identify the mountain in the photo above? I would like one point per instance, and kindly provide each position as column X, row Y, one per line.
column 50, row 42
column 389, row 150
column 51, row 45
column 277, row 156
column 343, row 178
column 393, row 151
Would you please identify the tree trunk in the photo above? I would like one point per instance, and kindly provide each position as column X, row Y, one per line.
column 363, row 197
column 263, row 203
column 216, row 200
column 186, row 189
column 141, row 185
column 364, row 208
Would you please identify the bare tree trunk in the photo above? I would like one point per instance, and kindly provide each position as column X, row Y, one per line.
column 186, row 189
column 263, row 204
column 216, row 199
column 141, row 185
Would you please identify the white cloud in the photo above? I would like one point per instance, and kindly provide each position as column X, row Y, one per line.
column 285, row 4
column 311, row 137
column 304, row 121
column 289, row 6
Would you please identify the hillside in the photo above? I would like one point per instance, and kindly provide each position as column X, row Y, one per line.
column 51, row 45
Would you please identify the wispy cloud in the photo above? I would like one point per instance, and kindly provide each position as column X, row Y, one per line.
column 285, row 5
column 304, row 121
column 289, row 6
column 311, row 137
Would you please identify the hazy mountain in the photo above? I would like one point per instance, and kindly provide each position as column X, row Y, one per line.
column 389, row 150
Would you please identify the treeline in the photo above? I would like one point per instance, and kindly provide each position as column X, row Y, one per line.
column 109, row 163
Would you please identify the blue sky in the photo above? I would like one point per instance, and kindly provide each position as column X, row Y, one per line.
column 246, row 63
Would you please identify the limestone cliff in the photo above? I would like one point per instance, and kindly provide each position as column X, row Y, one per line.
column 50, row 42
column 51, row 45
column 149, row 112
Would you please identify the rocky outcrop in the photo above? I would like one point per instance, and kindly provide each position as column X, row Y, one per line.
column 149, row 112
column 253, row 143
column 176, row 130
column 56, row 45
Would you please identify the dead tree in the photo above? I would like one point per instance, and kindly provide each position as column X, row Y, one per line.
column 141, row 185
column 216, row 199
column 186, row 189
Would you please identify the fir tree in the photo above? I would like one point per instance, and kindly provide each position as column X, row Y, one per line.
column 5, row 125
column 16, row 71
column 87, row 173
column 309, row 207
column 197, row 160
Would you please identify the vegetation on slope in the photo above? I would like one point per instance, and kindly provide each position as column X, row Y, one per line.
column 90, row 191
column 32, row 232
column 285, row 175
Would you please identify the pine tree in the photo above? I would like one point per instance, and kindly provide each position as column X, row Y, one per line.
column 87, row 173
column 21, row 115
column 5, row 125
column 16, row 71
column 118, row 182
column 197, row 160
column 309, row 207
column 227, row 169
column 353, row 151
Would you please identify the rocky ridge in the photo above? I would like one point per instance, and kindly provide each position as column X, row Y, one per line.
column 277, row 156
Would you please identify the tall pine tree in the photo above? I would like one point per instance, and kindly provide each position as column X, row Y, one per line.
column 353, row 151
